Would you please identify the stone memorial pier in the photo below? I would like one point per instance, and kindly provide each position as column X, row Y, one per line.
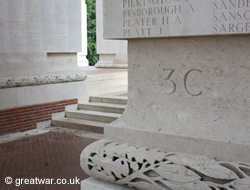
column 112, row 53
column 39, row 76
column 187, row 122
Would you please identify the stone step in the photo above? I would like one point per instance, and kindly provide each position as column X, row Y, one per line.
column 111, row 100
column 102, row 107
column 80, row 124
column 110, row 90
column 102, row 90
column 117, row 93
column 93, row 115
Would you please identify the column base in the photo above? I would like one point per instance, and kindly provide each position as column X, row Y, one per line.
column 94, row 184
column 112, row 61
column 82, row 61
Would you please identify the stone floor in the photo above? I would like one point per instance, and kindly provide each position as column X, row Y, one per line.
column 48, row 155
column 90, row 70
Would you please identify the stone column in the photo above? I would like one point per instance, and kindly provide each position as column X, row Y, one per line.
column 186, row 124
column 112, row 53
column 81, row 56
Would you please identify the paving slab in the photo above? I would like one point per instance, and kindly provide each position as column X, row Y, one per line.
column 53, row 155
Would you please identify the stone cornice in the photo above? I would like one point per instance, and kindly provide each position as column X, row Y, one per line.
column 11, row 82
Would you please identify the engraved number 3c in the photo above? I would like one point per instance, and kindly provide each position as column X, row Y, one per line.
column 168, row 78
column 185, row 81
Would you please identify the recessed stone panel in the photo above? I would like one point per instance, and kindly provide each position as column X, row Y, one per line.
column 40, row 26
column 168, row 18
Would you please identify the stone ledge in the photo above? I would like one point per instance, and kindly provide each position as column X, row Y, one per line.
column 104, row 64
column 12, row 82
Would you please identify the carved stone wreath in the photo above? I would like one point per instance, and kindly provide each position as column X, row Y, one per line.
column 151, row 169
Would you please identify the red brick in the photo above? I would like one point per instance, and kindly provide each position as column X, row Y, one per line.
column 3, row 115
column 60, row 106
column 36, row 118
column 48, row 104
column 18, row 128
column 26, row 117
column 4, row 119
column 10, row 122
column 58, row 109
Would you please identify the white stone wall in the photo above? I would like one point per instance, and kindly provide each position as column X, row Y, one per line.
column 22, row 64
column 112, row 53
column 40, row 26
column 81, row 56
column 34, row 76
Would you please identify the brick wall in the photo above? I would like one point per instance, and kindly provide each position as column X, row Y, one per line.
column 25, row 118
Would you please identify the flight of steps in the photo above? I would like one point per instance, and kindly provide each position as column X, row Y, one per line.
column 94, row 115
